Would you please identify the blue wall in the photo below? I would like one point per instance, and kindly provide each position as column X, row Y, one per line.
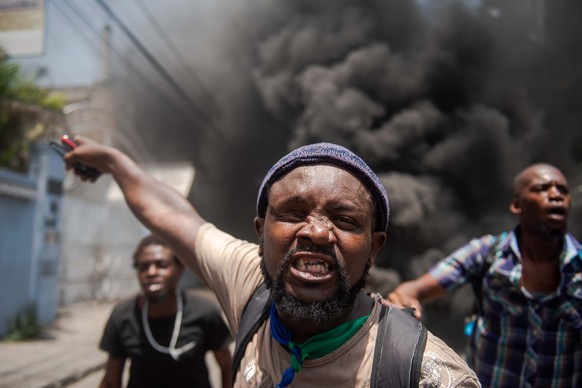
column 30, row 237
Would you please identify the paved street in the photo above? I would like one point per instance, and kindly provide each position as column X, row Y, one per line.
column 68, row 356
column 67, row 353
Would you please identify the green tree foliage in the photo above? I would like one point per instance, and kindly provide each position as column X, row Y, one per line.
column 27, row 112
column 24, row 326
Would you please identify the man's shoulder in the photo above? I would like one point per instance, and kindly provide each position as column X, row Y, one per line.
column 209, row 233
column 440, row 362
column 575, row 243
column 494, row 239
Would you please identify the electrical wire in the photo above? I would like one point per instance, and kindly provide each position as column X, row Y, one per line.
column 117, row 61
column 163, row 72
column 159, row 30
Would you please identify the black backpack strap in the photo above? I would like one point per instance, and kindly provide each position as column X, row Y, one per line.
column 254, row 313
column 400, row 345
column 399, row 350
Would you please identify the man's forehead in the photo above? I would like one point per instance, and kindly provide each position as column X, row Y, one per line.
column 156, row 251
column 321, row 171
column 303, row 178
column 543, row 173
column 327, row 186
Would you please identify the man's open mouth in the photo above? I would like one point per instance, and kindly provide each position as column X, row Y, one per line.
column 309, row 266
column 557, row 210
column 312, row 265
column 152, row 287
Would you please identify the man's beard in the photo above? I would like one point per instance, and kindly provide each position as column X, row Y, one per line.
column 318, row 314
column 552, row 232
column 159, row 297
column 557, row 232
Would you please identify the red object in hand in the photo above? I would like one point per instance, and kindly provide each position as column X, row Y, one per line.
column 68, row 142
column 69, row 145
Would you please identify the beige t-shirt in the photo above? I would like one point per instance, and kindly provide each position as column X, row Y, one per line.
column 230, row 267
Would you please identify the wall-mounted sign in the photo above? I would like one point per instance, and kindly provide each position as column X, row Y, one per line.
column 22, row 24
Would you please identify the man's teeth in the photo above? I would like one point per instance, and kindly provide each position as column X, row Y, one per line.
column 154, row 287
column 312, row 266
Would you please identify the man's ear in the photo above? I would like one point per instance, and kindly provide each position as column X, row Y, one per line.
column 378, row 241
column 259, row 223
column 514, row 206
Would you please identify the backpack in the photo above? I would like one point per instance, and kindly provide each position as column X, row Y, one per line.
column 399, row 346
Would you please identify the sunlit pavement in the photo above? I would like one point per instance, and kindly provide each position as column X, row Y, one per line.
column 67, row 353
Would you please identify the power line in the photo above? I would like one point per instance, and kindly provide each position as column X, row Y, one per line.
column 165, row 75
column 121, row 62
column 117, row 61
column 111, row 55
column 177, row 53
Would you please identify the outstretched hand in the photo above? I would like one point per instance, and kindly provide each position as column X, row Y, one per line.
column 388, row 303
column 403, row 300
column 91, row 154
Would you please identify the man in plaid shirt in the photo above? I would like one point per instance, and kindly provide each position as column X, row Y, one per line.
column 528, row 330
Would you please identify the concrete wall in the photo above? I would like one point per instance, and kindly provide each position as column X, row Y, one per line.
column 100, row 234
column 98, row 240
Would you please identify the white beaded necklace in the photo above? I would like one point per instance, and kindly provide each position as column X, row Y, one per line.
column 171, row 350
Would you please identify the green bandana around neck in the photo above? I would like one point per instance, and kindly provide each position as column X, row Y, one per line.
column 315, row 347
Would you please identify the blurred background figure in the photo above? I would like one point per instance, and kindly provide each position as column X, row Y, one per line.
column 164, row 331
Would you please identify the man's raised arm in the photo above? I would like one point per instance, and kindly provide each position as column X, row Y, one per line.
column 160, row 208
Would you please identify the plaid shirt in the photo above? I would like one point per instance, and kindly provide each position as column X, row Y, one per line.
column 520, row 341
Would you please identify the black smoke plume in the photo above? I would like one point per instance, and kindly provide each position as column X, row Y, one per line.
column 445, row 102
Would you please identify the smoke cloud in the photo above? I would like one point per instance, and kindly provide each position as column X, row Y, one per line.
column 446, row 110
column 445, row 102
